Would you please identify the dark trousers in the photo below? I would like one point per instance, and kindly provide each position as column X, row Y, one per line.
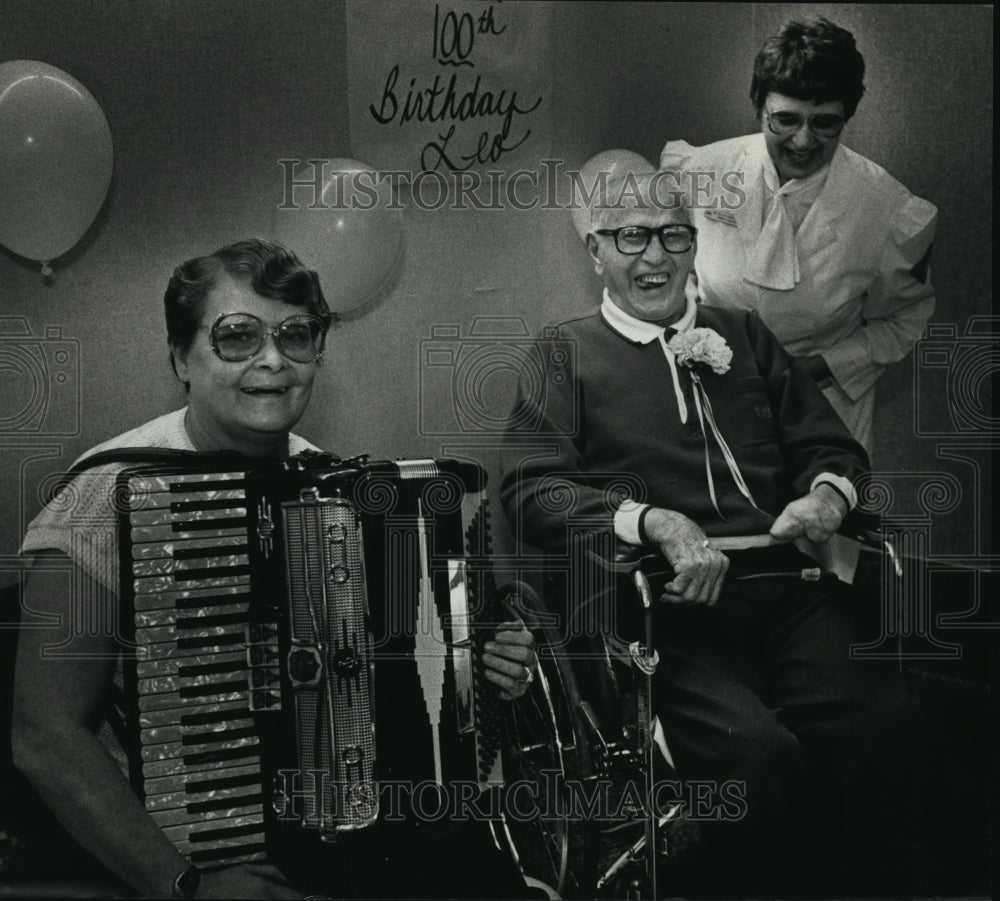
column 760, row 694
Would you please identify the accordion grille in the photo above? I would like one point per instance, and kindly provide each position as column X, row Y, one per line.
column 330, row 662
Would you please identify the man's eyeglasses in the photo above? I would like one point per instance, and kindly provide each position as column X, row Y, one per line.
column 823, row 125
column 634, row 239
column 237, row 337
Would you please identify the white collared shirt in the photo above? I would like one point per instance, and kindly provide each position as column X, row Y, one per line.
column 643, row 332
column 638, row 329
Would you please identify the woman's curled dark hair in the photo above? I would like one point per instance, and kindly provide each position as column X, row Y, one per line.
column 273, row 271
column 816, row 61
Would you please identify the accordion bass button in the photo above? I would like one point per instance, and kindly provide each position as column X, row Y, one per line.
column 346, row 662
column 304, row 666
column 352, row 755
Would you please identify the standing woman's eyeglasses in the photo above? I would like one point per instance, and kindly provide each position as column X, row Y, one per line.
column 823, row 125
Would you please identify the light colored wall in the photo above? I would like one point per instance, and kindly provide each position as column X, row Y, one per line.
column 204, row 97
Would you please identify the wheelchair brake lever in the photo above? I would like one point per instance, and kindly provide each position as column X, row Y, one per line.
column 890, row 551
column 642, row 586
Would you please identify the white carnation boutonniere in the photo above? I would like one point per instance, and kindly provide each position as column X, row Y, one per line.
column 702, row 345
column 707, row 347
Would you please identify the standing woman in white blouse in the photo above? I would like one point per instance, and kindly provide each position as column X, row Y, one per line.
column 824, row 244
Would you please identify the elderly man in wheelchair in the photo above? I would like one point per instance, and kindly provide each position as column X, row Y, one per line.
column 686, row 433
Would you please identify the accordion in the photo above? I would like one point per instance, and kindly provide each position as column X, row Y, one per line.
column 304, row 634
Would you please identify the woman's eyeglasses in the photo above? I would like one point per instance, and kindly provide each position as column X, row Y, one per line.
column 823, row 125
column 237, row 337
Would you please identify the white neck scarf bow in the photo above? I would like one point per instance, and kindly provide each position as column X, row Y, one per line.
column 774, row 262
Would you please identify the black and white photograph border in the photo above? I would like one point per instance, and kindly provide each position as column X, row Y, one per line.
column 438, row 164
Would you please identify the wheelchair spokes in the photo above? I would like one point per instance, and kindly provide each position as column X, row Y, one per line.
column 551, row 846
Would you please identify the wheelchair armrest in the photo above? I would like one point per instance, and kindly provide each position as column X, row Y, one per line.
column 629, row 558
column 858, row 525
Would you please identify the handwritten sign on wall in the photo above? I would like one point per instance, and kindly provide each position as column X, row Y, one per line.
column 449, row 86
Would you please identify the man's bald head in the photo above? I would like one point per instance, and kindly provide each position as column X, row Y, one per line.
column 639, row 198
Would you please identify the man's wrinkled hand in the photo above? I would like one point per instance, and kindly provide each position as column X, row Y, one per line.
column 510, row 659
column 699, row 569
column 817, row 516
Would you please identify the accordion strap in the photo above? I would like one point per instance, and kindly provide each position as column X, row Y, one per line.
column 209, row 460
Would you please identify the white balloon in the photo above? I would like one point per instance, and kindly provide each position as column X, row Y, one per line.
column 55, row 159
column 353, row 237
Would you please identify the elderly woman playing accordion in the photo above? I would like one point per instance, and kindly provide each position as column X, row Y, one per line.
column 246, row 328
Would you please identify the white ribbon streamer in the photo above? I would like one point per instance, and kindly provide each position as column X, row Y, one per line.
column 704, row 408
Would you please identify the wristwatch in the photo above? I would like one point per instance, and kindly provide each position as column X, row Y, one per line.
column 186, row 885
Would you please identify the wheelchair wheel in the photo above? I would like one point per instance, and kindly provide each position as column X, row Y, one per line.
column 544, row 751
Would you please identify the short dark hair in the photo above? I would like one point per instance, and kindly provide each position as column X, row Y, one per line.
column 272, row 270
column 815, row 61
